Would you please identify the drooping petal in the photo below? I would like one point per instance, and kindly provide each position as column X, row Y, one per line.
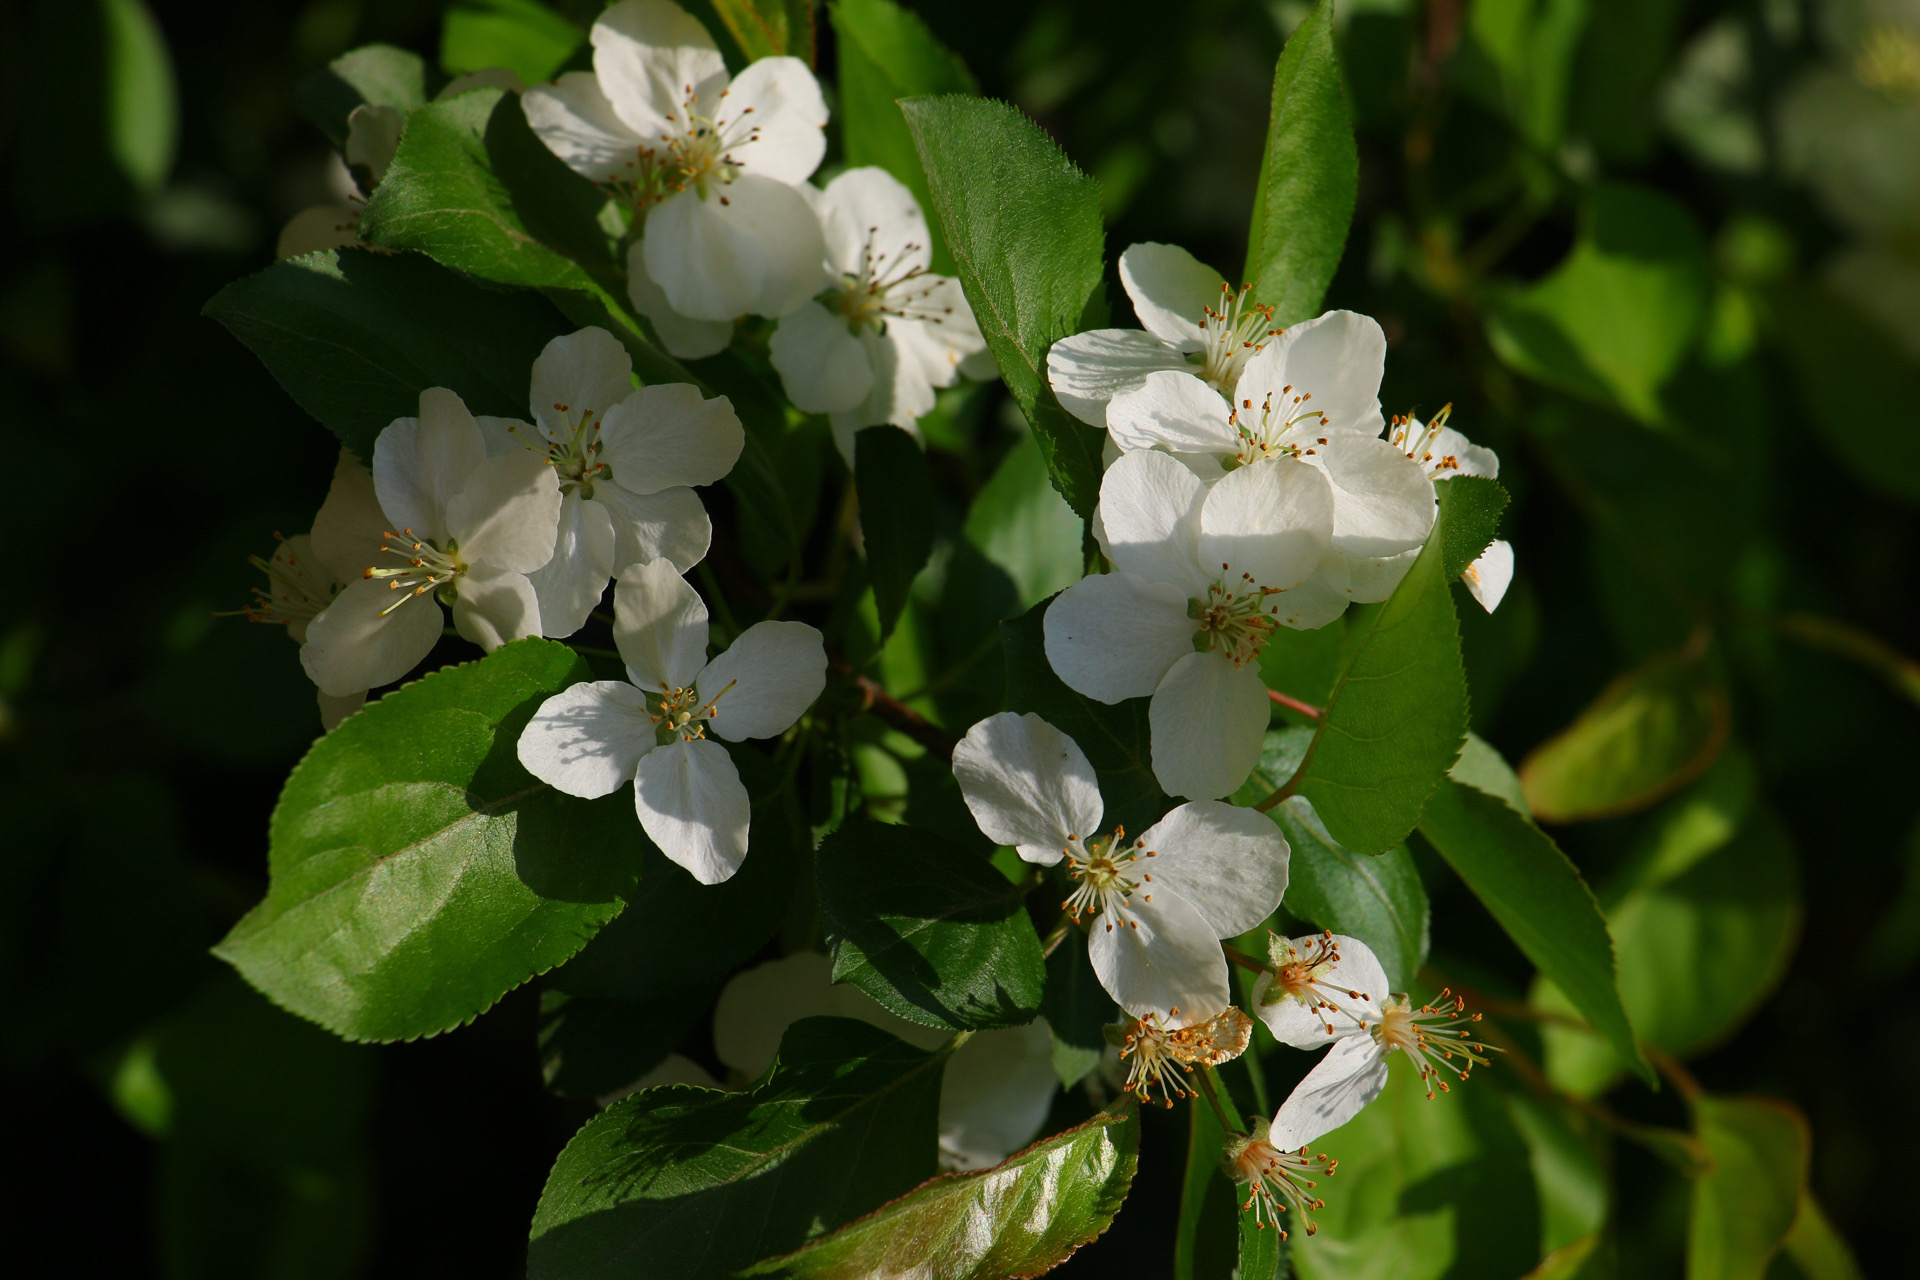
column 693, row 806
column 822, row 365
column 587, row 740
column 573, row 117
column 685, row 338
column 872, row 224
column 760, row 251
column 1172, row 410
column 785, row 136
column 1112, row 636
column 1273, row 519
column 1230, row 862
column 335, row 710
column 1207, row 717
column 1028, row 785
column 419, row 464
column 660, row 626
column 1488, row 577
column 373, row 136
column 1383, row 503
column 1088, row 369
column 668, row 436
column 1160, row 956
column 570, row 585
column 765, row 680
column 1171, row 291
column 1323, row 597
column 586, row 371
column 1150, row 509
column 1351, row 1075
column 347, row 531
column 351, row 647
column 669, row 525
column 495, row 605
column 321, row 226
column 1337, row 359
column 652, row 57
column 1373, row 578
column 507, row 514
column 995, row 1095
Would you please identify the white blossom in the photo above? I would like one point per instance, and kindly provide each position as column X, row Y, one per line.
column 887, row 332
column 1201, row 578
column 461, row 528
column 713, row 162
column 1444, row 452
column 626, row 459
column 597, row 736
column 1158, row 906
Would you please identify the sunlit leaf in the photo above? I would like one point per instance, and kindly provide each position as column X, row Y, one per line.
column 1744, row 1206
column 524, row 36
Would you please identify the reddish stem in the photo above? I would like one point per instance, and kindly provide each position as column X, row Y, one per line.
column 1294, row 704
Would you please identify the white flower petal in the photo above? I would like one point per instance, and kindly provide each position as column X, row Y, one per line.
column 351, row 648
column 822, row 365
column 692, row 805
column 669, row 525
column 684, row 338
column 1028, row 785
column 669, row 436
column 1171, row 291
column 660, row 626
column 507, row 514
column 1158, row 957
column 335, row 710
column 1336, row 358
column 509, row 435
column 1373, row 578
column 788, row 124
column 1383, row 503
column 758, row 1005
column 573, row 117
column 347, row 531
column 587, row 740
column 586, row 371
column 494, row 606
column 322, row 226
column 1150, row 509
column 1356, row 983
column 1488, row 577
column 1089, row 369
column 419, row 464
column 1112, row 636
column 648, row 54
column 1229, row 862
column 1340, row 1085
column 752, row 246
column 1468, row 458
column 373, row 136
column 869, row 211
column 995, row 1094
column 1323, row 597
column 1272, row 519
column 765, row 680
column 569, row 586
column 1207, row 717
column 1174, row 411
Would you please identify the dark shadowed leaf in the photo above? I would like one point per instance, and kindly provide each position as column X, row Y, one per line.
column 896, row 515
column 1076, row 1008
column 1378, row 899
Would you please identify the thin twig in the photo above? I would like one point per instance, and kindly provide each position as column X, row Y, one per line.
column 897, row 714
column 1306, row 709
column 1205, row 1076
column 1236, row 956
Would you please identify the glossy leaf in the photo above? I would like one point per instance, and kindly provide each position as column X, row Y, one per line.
column 696, row 1184
column 524, row 36
column 376, row 75
column 1538, row 897
column 419, row 873
column 1398, row 715
column 1744, row 1206
column 769, row 28
column 1649, row 733
column 896, row 515
column 1377, row 899
column 1023, row 225
column 355, row 336
column 1309, row 176
column 1018, row 1219
column 1474, row 505
column 927, row 928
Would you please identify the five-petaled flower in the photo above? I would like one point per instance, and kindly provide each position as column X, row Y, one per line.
column 1160, row 1057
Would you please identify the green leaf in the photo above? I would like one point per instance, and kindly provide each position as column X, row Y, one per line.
column 591, row 1046
column 1023, row 225
column 928, row 929
column 1203, row 1239
column 1263, row 1253
column 1378, row 899
column 1309, row 176
column 1024, row 1216
column 1473, row 504
column 1399, row 714
column 1567, row 1174
column 1698, row 952
column 419, row 873
column 1077, row 1009
column 885, row 54
column 523, row 36
column 1518, row 60
column 769, row 28
column 1649, row 733
column 695, row 1184
column 375, row 75
column 896, row 515
column 1116, row 739
column 1020, row 524
column 1537, row 896
column 143, row 110
column 355, row 336
column 1744, row 1206
column 1848, row 369
column 1816, row 1248
column 1640, row 254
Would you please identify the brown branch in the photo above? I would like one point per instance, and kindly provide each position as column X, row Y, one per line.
column 897, row 714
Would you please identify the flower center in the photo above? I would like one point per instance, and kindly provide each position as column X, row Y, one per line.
column 680, row 716
column 425, row 568
column 1161, row 1058
column 1106, row 876
column 701, row 154
column 294, row 592
column 576, row 454
column 1231, row 618
column 1276, row 1180
column 1434, row 1036
column 882, row 288
column 1415, row 440
column 1301, row 973
column 1235, row 333
column 1280, row 432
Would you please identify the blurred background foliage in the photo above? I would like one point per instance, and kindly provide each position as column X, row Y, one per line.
column 1663, row 255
